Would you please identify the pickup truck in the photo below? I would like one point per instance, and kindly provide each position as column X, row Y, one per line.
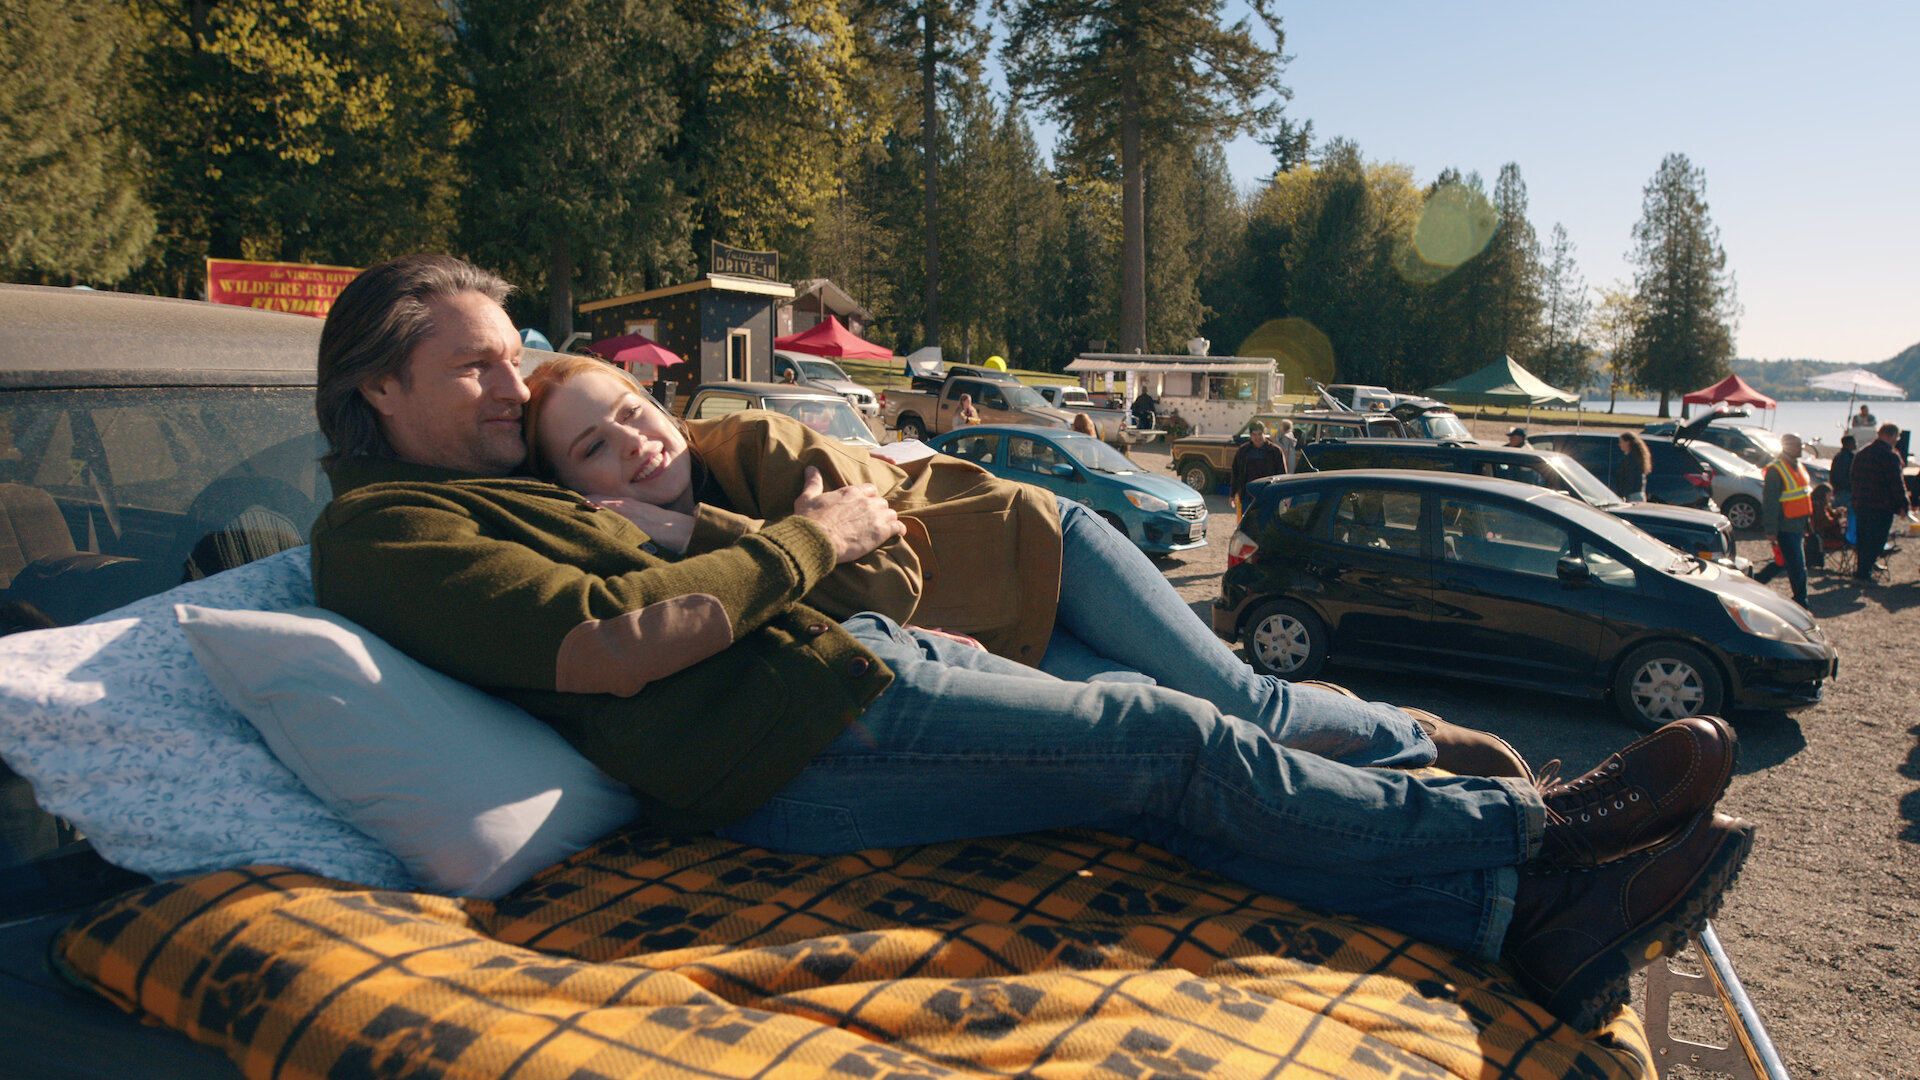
column 1204, row 462
column 1113, row 421
column 919, row 413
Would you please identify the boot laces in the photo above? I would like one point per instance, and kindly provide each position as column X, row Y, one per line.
column 1596, row 794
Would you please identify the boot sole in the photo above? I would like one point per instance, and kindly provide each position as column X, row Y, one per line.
column 1593, row 993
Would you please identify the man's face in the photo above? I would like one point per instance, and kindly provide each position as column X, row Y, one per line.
column 1890, row 437
column 457, row 403
column 1514, row 439
column 1259, row 437
column 1790, row 447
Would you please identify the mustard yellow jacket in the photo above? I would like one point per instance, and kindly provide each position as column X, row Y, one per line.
column 981, row 555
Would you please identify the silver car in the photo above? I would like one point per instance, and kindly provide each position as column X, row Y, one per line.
column 1737, row 484
column 822, row 373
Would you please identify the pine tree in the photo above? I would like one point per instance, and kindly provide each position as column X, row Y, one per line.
column 1564, row 350
column 71, row 205
column 1512, row 260
column 1683, row 335
column 1126, row 78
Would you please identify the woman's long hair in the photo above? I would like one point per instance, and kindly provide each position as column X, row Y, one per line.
column 553, row 374
column 1636, row 449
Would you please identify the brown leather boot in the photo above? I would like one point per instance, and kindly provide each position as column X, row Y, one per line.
column 1462, row 751
column 1467, row 751
column 1640, row 796
column 1577, row 935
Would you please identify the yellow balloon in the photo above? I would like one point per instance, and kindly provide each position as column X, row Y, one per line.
column 997, row 363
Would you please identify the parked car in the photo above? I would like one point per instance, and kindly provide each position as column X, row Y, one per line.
column 1205, row 462
column 823, row 374
column 1429, row 419
column 1702, row 532
column 931, row 406
column 1757, row 446
column 1158, row 514
column 1507, row 583
column 1113, row 421
column 822, row 410
column 1737, row 485
column 1679, row 477
column 143, row 442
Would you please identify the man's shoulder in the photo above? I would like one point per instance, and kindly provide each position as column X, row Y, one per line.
column 438, row 495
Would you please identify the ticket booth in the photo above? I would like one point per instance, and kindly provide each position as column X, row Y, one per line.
column 722, row 325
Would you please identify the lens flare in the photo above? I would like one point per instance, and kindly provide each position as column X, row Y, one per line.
column 1455, row 225
column 1301, row 350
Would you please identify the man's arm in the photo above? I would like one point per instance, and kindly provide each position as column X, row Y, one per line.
column 499, row 607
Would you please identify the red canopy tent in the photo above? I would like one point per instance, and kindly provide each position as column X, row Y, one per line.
column 1732, row 390
column 832, row 339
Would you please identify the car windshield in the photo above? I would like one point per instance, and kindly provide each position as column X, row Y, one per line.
column 1583, row 483
column 826, row 415
column 1021, row 396
column 117, row 494
column 1723, row 461
column 1443, row 426
column 1627, row 537
column 823, row 369
column 1096, row 455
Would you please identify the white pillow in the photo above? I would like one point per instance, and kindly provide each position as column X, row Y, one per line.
column 120, row 732
column 473, row 794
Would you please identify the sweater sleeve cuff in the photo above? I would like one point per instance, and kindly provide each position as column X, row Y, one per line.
column 807, row 545
column 714, row 528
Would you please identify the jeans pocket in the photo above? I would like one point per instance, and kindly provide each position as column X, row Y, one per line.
column 785, row 824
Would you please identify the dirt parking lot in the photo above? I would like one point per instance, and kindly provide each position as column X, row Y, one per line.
column 1824, row 925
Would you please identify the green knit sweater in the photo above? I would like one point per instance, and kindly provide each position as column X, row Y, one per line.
column 700, row 681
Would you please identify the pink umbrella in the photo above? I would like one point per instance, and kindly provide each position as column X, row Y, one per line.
column 630, row 350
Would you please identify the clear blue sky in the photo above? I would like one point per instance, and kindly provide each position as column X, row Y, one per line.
column 1806, row 118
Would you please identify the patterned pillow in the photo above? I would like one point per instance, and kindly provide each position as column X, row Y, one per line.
column 121, row 733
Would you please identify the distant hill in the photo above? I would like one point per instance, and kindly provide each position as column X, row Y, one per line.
column 1788, row 378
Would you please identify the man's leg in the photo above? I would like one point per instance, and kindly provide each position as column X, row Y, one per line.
column 1118, row 613
column 949, row 752
column 1873, row 528
column 1793, row 551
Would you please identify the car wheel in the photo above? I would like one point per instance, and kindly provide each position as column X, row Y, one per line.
column 1743, row 512
column 1197, row 475
column 1666, row 681
column 1114, row 520
column 1285, row 639
column 912, row 428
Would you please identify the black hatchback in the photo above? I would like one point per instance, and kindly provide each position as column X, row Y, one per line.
column 1507, row 583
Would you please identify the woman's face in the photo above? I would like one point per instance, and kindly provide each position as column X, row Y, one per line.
column 604, row 441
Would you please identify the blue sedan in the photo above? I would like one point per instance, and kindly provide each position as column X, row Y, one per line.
column 1158, row 513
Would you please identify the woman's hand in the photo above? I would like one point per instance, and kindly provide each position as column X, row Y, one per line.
column 668, row 528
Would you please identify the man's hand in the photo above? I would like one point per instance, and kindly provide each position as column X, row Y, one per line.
column 855, row 517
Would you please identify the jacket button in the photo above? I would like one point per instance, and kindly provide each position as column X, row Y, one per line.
column 858, row 666
column 816, row 629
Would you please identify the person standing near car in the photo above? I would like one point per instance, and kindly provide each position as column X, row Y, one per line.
column 1256, row 458
column 1630, row 475
column 1517, row 436
column 1879, row 494
column 1786, row 502
column 1841, row 472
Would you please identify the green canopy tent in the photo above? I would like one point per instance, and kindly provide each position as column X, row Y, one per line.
column 1502, row 382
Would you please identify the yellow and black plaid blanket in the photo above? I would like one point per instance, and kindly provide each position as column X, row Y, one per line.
column 1063, row 954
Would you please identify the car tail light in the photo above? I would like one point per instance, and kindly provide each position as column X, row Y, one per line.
column 1240, row 549
column 1701, row 480
column 883, row 399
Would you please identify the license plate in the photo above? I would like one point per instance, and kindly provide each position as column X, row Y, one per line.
column 1195, row 532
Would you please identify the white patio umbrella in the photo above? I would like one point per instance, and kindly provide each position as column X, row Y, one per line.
column 1857, row 382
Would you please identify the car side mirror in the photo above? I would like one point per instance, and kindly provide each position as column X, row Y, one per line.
column 1573, row 569
column 1061, row 469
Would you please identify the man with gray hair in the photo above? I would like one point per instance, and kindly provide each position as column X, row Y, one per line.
column 1786, row 506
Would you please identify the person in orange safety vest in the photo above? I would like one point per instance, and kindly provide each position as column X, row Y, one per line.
column 1786, row 504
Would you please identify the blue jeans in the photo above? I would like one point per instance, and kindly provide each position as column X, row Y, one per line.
column 964, row 744
column 1793, row 559
column 1119, row 619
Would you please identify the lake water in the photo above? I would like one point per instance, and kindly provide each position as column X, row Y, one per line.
column 1822, row 421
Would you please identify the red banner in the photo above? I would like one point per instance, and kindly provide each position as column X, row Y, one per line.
column 301, row 288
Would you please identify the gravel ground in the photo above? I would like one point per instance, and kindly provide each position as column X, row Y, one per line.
column 1822, row 927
